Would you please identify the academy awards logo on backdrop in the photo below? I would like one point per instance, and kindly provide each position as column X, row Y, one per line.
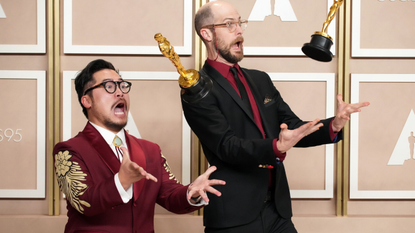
column 404, row 148
column 2, row 14
column 263, row 8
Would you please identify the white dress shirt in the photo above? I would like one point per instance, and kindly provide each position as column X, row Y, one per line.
column 108, row 136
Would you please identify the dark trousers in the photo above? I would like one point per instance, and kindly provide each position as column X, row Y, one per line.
column 268, row 221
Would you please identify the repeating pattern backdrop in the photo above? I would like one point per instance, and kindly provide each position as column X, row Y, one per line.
column 40, row 107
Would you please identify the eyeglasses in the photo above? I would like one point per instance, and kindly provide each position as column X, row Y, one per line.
column 111, row 86
column 230, row 25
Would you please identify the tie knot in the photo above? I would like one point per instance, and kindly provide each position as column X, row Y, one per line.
column 234, row 70
column 117, row 141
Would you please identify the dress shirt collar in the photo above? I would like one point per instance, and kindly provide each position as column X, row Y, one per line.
column 109, row 136
column 222, row 68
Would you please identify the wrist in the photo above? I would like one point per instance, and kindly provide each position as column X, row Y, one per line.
column 279, row 147
column 196, row 199
column 123, row 181
column 335, row 125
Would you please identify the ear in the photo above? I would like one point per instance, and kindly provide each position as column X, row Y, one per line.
column 207, row 34
column 86, row 101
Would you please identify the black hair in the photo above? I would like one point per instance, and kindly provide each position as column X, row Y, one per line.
column 84, row 79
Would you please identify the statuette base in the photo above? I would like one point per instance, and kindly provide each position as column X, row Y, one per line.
column 319, row 47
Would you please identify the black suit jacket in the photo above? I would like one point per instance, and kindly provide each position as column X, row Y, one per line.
column 232, row 141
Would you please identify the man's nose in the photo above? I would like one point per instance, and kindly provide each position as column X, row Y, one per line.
column 118, row 91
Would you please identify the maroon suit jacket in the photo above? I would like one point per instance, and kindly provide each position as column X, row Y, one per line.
column 85, row 167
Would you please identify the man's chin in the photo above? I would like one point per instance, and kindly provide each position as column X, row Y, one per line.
column 234, row 58
column 238, row 58
column 116, row 127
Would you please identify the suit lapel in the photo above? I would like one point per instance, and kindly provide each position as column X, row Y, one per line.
column 105, row 152
column 258, row 98
column 136, row 155
column 102, row 148
column 215, row 75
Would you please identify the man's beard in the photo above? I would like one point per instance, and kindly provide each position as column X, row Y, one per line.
column 114, row 126
column 225, row 52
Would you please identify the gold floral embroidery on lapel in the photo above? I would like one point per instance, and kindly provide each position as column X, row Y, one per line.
column 70, row 177
column 168, row 170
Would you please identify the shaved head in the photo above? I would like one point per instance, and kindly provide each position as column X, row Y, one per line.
column 205, row 15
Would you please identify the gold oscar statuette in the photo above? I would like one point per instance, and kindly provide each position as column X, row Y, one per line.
column 319, row 46
column 194, row 87
column 187, row 77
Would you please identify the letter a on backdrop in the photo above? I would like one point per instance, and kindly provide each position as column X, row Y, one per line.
column 263, row 8
column 2, row 14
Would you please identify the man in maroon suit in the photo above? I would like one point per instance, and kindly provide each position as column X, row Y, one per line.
column 112, row 180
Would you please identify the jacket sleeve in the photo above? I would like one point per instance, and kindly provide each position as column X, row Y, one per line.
column 225, row 131
column 86, row 195
column 277, row 111
column 173, row 195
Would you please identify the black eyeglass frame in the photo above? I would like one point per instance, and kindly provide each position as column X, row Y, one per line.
column 228, row 25
column 116, row 83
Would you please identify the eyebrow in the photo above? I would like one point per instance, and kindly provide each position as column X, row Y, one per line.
column 233, row 19
column 107, row 79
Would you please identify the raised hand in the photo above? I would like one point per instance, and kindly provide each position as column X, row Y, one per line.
column 343, row 112
column 288, row 138
column 202, row 184
column 130, row 172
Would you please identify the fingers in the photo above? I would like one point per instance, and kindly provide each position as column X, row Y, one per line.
column 202, row 184
column 313, row 123
column 143, row 173
column 216, row 182
column 150, row 177
column 194, row 191
column 204, row 196
column 134, row 169
column 125, row 153
column 360, row 105
column 208, row 188
column 340, row 99
column 315, row 128
column 309, row 128
column 312, row 126
column 210, row 170
column 353, row 108
column 365, row 104
column 213, row 190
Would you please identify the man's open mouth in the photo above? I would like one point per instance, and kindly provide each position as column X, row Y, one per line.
column 119, row 108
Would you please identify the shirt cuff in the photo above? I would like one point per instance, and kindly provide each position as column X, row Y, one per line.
column 333, row 135
column 125, row 195
column 200, row 203
column 279, row 156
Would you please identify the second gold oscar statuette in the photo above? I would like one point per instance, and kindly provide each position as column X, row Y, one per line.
column 319, row 46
